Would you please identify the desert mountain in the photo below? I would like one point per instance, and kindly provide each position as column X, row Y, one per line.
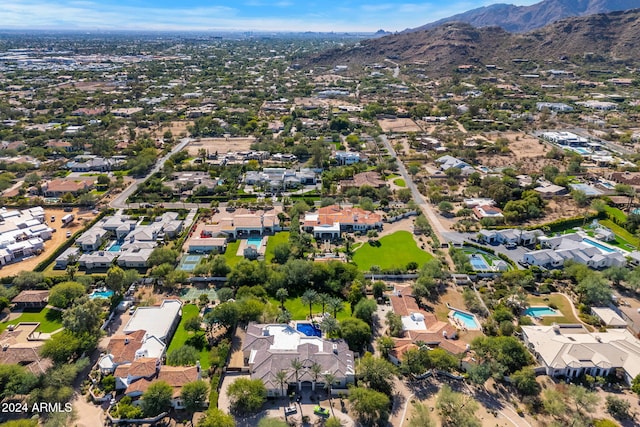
column 525, row 18
column 612, row 36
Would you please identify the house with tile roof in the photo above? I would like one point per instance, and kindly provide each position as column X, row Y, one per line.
column 125, row 349
column 20, row 345
column 330, row 221
column 421, row 327
column 140, row 378
column 271, row 348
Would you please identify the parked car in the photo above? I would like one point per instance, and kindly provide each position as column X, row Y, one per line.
column 290, row 410
column 132, row 309
column 319, row 410
column 68, row 234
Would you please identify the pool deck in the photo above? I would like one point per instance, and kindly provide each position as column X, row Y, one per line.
column 461, row 325
column 244, row 243
column 557, row 313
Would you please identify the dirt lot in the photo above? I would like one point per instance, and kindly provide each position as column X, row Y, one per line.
column 527, row 153
column 177, row 128
column 59, row 237
column 221, row 145
column 399, row 125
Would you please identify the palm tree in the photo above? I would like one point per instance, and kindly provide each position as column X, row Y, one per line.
column 323, row 299
column 329, row 325
column 315, row 373
column 281, row 378
column 309, row 297
column 329, row 379
column 71, row 271
column 297, row 366
column 335, row 304
column 282, row 295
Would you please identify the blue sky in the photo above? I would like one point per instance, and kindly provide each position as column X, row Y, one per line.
column 243, row 15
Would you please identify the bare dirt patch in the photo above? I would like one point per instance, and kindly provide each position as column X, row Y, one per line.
column 221, row 145
column 527, row 153
column 557, row 208
column 58, row 238
column 399, row 125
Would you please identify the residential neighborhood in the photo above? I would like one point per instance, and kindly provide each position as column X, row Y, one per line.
column 248, row 229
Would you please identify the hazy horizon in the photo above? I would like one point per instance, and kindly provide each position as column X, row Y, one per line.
column 249, row 15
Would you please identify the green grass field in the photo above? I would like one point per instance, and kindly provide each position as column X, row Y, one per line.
column 616, row 213
column 230, row 254
column 49, row 319
column 395, row 250
column 564, row 306
column 400, row 182
column 182, row 335
column 273, row 241
column 300, row 311
column 624, row 239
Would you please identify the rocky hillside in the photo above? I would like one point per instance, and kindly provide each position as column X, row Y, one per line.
column 613, row 36
column 525, row 18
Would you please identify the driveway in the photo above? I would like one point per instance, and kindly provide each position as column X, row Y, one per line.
column 516, row 254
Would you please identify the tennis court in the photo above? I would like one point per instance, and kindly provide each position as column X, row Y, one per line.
column 189, row 262
column 192, row 294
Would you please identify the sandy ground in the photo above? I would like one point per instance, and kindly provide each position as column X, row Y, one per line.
column 221, row 145
column 399, row 125
column 177, row 128
column 527, row 153
column 59, row 237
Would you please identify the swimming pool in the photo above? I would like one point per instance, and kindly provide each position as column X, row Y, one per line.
column 101, row 294
column 597, row 245
column 467, row 319
column 115, row 247
column 581, row 150
column 308, row 329
column 478, row 263
column 541, row 311
column 254, row 241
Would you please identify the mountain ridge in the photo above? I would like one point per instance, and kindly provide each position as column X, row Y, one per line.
column 519, row 19
column 612, row 36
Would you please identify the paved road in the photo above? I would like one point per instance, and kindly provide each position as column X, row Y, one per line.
column 425, row 207
column 121, row 200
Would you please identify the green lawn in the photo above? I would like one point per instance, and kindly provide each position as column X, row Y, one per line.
column 273, row 241
column 616, row 213
column 300, row 311
column 230, row 254
column 395, row 250
column 564, row 306
column 49, row 319
column 392, row 177
column 623, row 237
column 400, row 182
column 181, row 335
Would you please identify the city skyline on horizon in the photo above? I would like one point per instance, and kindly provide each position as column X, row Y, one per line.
column 247, row 15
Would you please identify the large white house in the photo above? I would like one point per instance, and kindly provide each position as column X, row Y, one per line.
column 575, row 247
column 571, row 350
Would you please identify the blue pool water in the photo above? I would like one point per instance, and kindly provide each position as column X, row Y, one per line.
column 541, row 311
column 468, row 320
column 597, row 245
column 581, row 150
column 308, row 329
column 254, row 241
column 115, row 247
column 478, row 262
column 101, row 294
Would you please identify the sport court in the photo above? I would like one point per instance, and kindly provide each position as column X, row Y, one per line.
column 193, row 294
column 189, row 262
